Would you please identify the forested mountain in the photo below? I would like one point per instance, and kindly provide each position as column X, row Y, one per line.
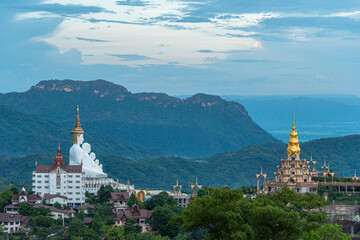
column 23, row 134
column 232, row 168
column 198, row 126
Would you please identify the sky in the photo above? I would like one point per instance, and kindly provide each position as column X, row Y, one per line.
column 223, row 47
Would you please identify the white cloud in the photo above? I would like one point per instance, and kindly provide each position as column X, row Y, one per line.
column 35, row 15
column 144, row 29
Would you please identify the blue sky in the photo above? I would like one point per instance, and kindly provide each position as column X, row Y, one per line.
column 241, row 47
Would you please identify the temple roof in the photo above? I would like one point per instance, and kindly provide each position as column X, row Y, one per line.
column 293, row 145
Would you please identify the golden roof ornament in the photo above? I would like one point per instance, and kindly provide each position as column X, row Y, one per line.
column 294, row 145
column 77, row 131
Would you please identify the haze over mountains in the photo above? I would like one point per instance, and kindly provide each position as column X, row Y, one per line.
column 318, row 116
column 150, row 123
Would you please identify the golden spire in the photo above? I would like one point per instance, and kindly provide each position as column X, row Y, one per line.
column 77, row 131
column 293, row 146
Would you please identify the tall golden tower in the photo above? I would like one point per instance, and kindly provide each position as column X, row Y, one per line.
column 77, row 131
column 294, row 145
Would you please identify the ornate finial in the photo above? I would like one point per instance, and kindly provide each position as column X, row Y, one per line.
column 36, row 163
column 77, row 131
column 294, row 145
column 311, row 157
column 293, row 128
column 355, row 173
column 261, row 172
column 128, row 186
column 196, row 181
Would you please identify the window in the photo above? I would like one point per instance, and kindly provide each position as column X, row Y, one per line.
column 46, row 187
column 39, row 176
column 57, row 187
column 70, row 176
column 77, row 187
column 46, row 175
column 77, row 181
column 292, row 165
column 301, row 165
column 46, row 181
column 77, row 176
column 38, row 186
column 57, row 182
column 39, row 181
column 78, row 199
column 77, row 192
column 69, row 181
column 70, row 186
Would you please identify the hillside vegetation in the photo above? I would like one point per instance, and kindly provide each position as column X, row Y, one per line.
column 234, row 169
column 198, row 126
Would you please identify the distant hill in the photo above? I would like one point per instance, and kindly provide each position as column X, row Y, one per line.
column 23, row 134
column 318, row 116
column 232, row 168
column 198, row 126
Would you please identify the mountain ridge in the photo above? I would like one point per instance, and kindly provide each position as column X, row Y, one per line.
column 198, row 126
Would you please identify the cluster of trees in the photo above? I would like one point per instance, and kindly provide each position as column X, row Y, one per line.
column 6, row 195
column 226, row 214
column 217, row 213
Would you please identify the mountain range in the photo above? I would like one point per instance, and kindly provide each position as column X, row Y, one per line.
column 150, row 124
column 234, row 169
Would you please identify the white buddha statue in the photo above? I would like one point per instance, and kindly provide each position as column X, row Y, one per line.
column 76, row 151
column 80, row 153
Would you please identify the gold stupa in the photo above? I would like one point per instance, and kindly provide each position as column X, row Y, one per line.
column 293, row 146
column 77, row 131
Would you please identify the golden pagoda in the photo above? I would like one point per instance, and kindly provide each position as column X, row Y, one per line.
column 294, row 145
column 77, row 131
column 294, row 172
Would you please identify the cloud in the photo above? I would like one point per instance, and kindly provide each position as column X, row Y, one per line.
column 252, row 61
column 90, row 39
column 132, row 3
column 130, row 57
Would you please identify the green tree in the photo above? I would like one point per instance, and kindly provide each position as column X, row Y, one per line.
column 57, row 205
column 132, row 200
column 131, row 227
column 326, row 232
column 78, row 229
column 112, row 232
column 147, row 236
column 222, row 212
column 26, row 209
column 81, row 214
column 104, row 193
column 161, row 221
column 42, row 233
column 161, row 199
column 3, row 234
column 14, row 189
column 96, row 223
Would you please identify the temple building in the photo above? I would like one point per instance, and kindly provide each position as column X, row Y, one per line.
column 59, row 182
column 80, row 154
column 294, row 172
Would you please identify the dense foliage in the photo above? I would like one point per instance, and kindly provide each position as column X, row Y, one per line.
column 284, row 215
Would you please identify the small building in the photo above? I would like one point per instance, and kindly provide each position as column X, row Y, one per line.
column 58, row 213
column 181, row 198
column 12, row 223
column 86, row 207
column 119, row 199
column 136, row 213
column 54, row 198
column 24, row 196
